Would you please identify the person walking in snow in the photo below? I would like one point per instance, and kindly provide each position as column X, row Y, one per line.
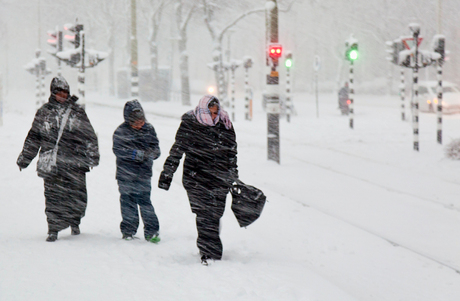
column 343, row 99
column 135, row 144
column 67, row 145
column 207, row 137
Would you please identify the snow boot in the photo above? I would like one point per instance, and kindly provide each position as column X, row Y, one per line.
column 52, row 237
column 128, row 237
column 155, row 238
column 75, row 230
column 205, row 259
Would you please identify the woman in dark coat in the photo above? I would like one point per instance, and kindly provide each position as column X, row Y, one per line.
column 207, row 138
column 65, row 189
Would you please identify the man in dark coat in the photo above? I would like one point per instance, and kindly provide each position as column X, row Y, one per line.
column 135, row 144
column 65, row 190
column 207, row 138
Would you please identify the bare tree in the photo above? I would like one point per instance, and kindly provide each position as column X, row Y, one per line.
column 182, row 22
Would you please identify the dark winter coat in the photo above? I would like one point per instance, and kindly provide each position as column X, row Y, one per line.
column 343, row 95
column 210, row 155
column 129, row 143
column 78, row 147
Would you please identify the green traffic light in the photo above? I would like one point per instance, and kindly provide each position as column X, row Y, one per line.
column 288, row 63
column 353, row 55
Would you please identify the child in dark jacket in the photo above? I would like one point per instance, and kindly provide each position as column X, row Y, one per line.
column 135, row 144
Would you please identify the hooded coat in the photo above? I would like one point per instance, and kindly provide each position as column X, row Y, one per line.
column 78, row 147
column 210, row 154
column 128, row 143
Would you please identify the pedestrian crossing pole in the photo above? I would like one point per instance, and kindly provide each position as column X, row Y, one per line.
column 351, row 93
column 288, row 64
column 402, row 92
column 415, row 28
column 81, row 73
column 439, row 43
column 247, row 112
column 233, row 66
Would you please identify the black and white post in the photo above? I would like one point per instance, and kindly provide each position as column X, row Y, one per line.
column 272, row 88
column 415, row 28
column 81, row 72
column 439, row 47
column 402, row 91
column 351, row 93
column 288, row 64
column 233, row 65
column 316, row 67
column 247, row 97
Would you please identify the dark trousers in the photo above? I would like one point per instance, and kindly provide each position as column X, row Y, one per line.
column 66, row 200
column 209, row 206
column 133, row 194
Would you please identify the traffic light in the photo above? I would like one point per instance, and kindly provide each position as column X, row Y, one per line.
column 55, row 41
column 394, row 48
column 439, row 45
column 75, row 28
column 275, row 51
column 352, row 52
column 288, row 61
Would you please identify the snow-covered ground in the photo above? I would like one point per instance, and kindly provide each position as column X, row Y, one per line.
column 351, row 214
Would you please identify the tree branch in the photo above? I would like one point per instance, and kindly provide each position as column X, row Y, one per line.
column 233, row 23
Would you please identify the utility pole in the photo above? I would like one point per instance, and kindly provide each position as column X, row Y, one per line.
column 247, row 97
column 134, row 62
column 272, row 97
column 415, row 28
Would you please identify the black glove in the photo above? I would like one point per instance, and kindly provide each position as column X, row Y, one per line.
column 165, row 180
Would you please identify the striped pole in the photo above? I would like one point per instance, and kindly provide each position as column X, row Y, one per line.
column 350, row 94
column 81, row 73
column 134, row 64
column 439, row 111
column 37, row 86
column 415, row 120
column 403, row 94
column 288, row 95
column 42, row 82
column 246, row 96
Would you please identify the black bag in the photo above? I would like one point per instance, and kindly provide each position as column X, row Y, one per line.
column 248, row 203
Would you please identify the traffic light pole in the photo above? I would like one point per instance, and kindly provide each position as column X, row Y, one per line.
column 350, row 94
column 403, row 94
column 288, row 95
column 247, row 98
column 272, row 97
column 81, row 72
column 439, row 109
column 233, row 67
column 415, row 87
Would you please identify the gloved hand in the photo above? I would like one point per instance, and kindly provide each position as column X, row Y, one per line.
column 138, row 155
column 165, row 180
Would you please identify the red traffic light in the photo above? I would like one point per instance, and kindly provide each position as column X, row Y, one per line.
column 275, row 50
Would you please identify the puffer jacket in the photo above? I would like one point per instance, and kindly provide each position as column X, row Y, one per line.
column 129, row 142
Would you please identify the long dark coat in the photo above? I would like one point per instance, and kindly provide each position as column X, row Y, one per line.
column 78, row 147
column 210, row 154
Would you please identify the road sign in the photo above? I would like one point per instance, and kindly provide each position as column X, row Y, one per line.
column 317, row 63
column 409, row 42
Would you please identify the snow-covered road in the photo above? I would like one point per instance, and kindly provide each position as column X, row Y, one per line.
column 336, row 201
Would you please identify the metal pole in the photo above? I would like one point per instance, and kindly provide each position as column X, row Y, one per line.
column 272, row 97
column 37, row 86
column 42, row 83
column 403, row 94
column 316, row 94
column 439, row 110
column 350, row 95
column 246, row 96
column 134, row 64
column 288, row 95
column 81, row 73
column 59, row 49
column 416, row 100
